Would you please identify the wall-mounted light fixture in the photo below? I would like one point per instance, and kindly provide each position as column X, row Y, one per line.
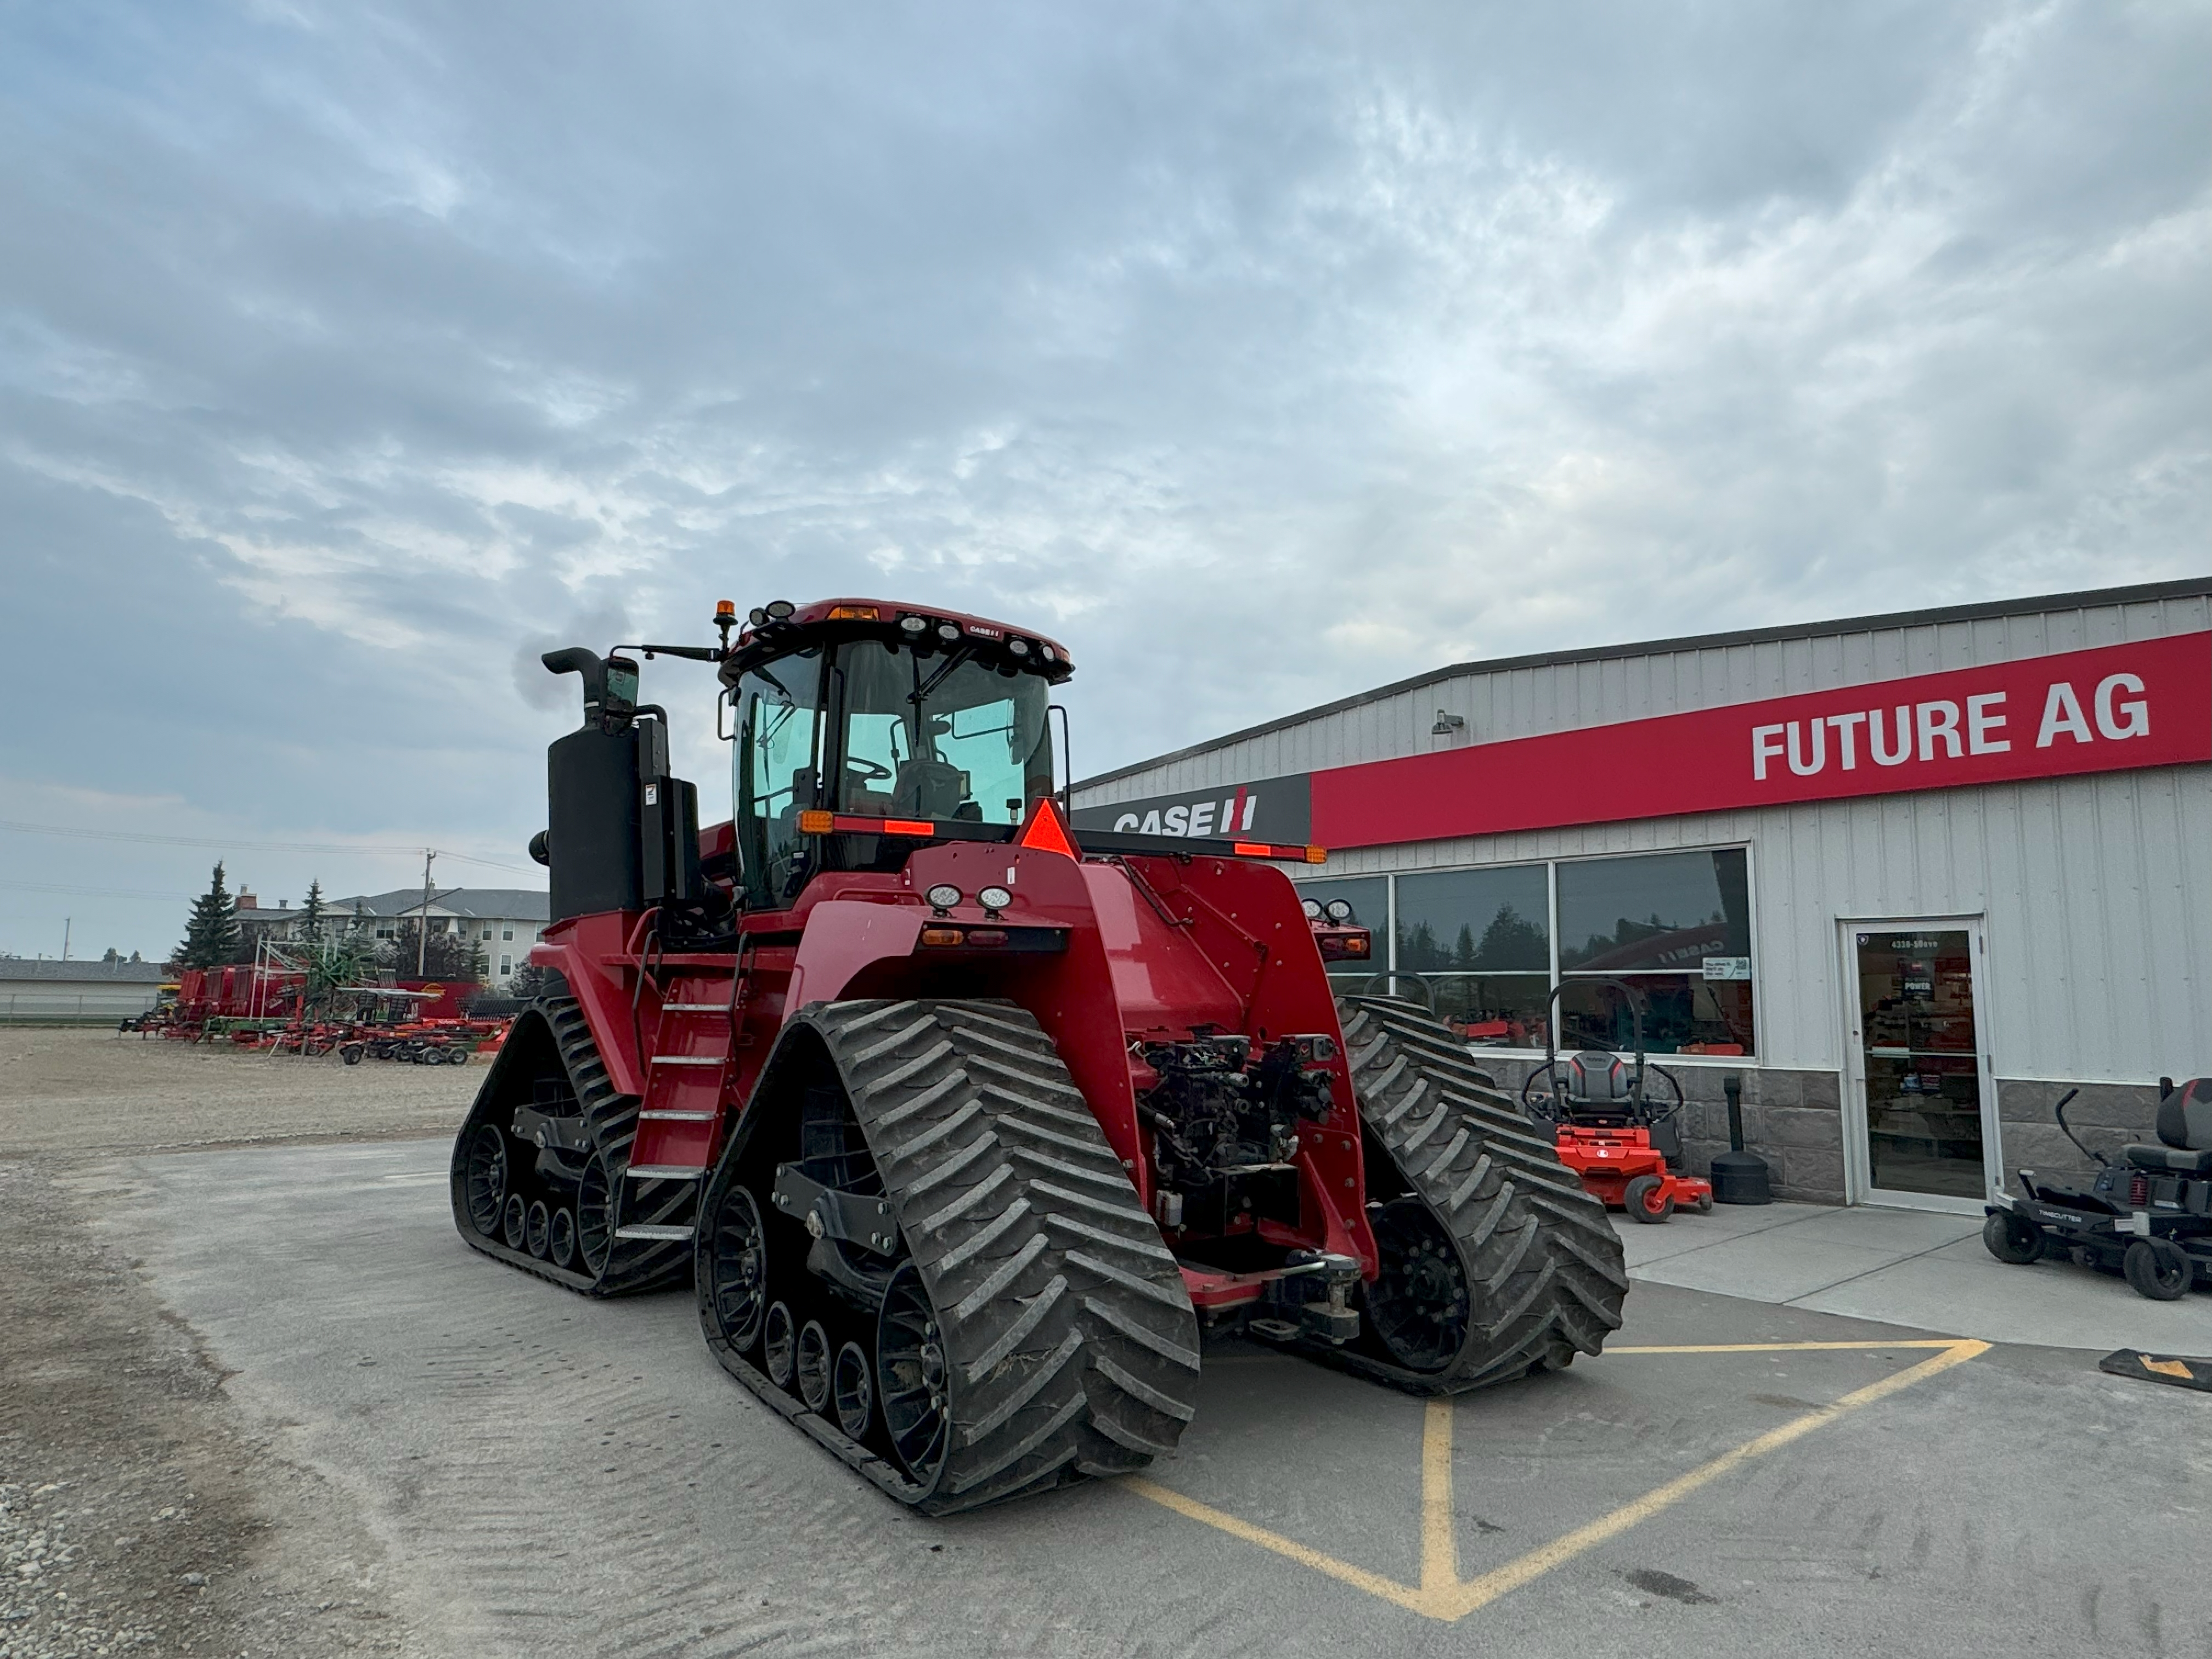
column 1447, row 724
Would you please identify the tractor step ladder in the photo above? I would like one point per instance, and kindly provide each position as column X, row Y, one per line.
column 687, row 1070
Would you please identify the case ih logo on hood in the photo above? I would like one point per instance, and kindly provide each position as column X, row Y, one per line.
column 1274, row 809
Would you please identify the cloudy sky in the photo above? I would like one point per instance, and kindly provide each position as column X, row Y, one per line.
column 350, row 354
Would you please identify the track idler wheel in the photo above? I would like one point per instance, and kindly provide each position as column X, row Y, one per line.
column 595, row 1215
column 737, row 1265
column 911, row 1366
column 484, row 1178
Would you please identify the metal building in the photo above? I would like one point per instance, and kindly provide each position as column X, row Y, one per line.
column 1908, row 877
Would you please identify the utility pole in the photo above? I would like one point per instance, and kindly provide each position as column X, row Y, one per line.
column 66, row 936
column 422, row 928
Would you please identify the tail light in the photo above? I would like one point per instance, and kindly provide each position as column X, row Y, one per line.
column 2138, row 1190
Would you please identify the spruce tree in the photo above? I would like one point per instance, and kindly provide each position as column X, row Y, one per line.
column 311, row 913
column 212, row 935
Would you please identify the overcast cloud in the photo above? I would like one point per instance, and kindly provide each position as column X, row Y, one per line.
column 350, row 354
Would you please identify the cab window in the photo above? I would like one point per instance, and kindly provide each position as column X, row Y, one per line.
column 777, row 765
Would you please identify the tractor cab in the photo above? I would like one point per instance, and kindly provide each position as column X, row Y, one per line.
column 863, row 728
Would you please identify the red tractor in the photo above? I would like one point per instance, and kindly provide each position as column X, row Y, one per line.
column 962, row 1128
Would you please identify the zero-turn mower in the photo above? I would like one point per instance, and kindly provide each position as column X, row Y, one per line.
column 1626, row 1148
column 2148, row 1214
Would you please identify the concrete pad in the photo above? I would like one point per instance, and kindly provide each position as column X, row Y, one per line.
column 1770, row 1266
column 1904, row 1232
column 1642, row 1242
column 1916, row 1267
column 1965, row 1290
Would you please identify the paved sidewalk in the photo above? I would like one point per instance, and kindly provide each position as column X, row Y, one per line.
column 1907, row 1268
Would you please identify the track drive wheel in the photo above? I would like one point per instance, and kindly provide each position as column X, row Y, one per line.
column 1021, row 1325
column 1496, row 1262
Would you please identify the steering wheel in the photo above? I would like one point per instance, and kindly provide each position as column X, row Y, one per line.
column 1546, row 1104
column 868, row 771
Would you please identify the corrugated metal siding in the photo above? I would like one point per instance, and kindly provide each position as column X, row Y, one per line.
column 2096, row 891
column 1528, row 700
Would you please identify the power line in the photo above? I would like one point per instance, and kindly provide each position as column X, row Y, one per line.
column 224, row 846
column 89, row 892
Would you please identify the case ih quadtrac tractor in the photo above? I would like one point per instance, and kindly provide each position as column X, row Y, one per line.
column 962, row 1125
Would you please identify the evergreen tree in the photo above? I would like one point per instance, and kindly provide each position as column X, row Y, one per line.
column 311, row 914
column 1512, row 941
column 212, row 934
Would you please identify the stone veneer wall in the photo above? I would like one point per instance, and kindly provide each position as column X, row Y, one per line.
column 1794, row 1120
column 2104, row 1115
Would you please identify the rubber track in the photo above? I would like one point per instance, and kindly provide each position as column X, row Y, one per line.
column 633, row 1265
column 1542, row 1260
column 1071, row 1343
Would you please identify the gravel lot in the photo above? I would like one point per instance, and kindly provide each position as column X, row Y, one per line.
column 140, row 1510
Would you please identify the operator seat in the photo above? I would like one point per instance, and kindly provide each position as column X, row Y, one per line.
column 2185, row 1124
column 1598, row 1085
column 927, row 789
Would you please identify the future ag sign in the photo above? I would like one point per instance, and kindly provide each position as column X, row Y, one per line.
column 2112, row 708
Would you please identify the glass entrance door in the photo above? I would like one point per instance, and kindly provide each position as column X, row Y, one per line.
column 1927, row 1131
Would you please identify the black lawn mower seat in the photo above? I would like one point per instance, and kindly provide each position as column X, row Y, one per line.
column 2184, row 1124
column 1598, row 1081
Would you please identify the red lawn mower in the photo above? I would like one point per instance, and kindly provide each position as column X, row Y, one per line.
column 1610, row 1132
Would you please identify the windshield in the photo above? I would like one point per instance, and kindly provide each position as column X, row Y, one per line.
column 940, row 737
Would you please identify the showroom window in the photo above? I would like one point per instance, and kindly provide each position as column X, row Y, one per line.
column 1484, row 947
column 1481, row 940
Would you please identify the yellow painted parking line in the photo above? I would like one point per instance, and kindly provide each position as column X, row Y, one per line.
column 1787, row 1347
column 1444, row 1595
